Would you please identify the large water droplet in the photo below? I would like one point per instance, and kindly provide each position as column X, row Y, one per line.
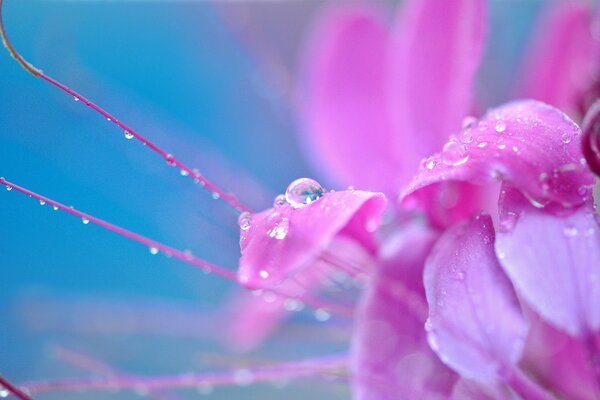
column 153, row 251
column 128, row 135
column 85, row 221
column 4, row 392
column 455, row 153
column 279, row 227
column 303, row 191
column 42, row 203
column 244, row 220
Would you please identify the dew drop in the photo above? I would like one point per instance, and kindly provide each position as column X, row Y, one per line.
column 170, row 159
column 501, row 146
column 279, row 228
column 500, row 126
column 216, row 196
column 481, row 145
column 42, row 203
column 468, row 122
column 75, row 98
column 244, row 220
column 302, row 192
column 566, row 138
column 153, row 251
column 279, row 201
column 455, row 153
column 570, row 231
column 322, row 315
column 9, row 188
column 264, row 274
column 128, row 135
column 183, row 172
column 430, row 163
column 85, row 221
column 55, row 208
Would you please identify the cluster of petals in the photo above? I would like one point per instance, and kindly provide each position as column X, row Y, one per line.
column 484, row 280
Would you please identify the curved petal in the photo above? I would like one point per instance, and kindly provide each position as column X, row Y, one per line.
column 431, row 85
column 533, row 146
column 591, row 137
column 465, row 389
column 475, row 321
column 557, row 272
column 280, row 242
column 564, row 57
column 343, row 104
column 390, row 355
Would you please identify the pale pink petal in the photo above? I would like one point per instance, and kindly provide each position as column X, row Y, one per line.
column 343, row 105
column 282, row 242
column 475, row 322
column 564, row 58
column 533, row 146
column 553, row 262
column 591, row 137
column 433, row 57
column 560, row 361
column 391, row 357
column 466, row 389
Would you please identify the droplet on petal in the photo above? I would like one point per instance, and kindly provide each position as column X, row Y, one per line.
column 279, row 201
column 279, row 227
column 303, row 191
column 455, row 153
column 244, row 220
column 500, row 126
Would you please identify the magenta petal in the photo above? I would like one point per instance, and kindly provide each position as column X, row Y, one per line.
column 431, row 85
column 475, row 321
column 558, row 270
column 348, row 134
column 529, row 144
column 591, row 137
column 465, row 389
column 563, row 58
column 283, row 241
column 390, row 355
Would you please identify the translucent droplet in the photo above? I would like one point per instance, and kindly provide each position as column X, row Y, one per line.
column 501, row 146
column 216, row 196
column 455, row 153
column 500, row 126
column 279, row 228
column 9, row 188
column 244, row 220
column 243, row 377
column 322, row 315
column 85, row 221
column 279, row 201
column 4, row 393
column 430, row 163
column 42, row 203
column 170, row 158
column 303, row 191
column 153, row 251
column 183, row 172
column 264, row 274
column 468, row 122
column 482, row 145
column 128, row 135
column 55, row 208
column 75, row 98
column 566, row 138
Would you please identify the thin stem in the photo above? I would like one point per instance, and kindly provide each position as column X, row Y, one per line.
column 294, row 370
column 168, row 157
column 12, row 388
column 152, row 244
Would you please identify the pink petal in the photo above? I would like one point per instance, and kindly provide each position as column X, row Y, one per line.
column 475, row 322
column 564, row 58
column 557, row 272
column 559, row 361
column 391, row 357
column 282, row 242
column 465, row 389
column 591, row 137
column 344, row 104
column 533, row 146
column 431, row 85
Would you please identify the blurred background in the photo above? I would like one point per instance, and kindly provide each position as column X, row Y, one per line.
column 213, row 83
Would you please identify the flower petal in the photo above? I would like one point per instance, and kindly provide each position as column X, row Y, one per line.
column 557, row 272
column 475, row 321
column 282, row 241
column 347, row 132
column 431, row 84
column 563, row 58
column 591, row 138
column 391, row 357
column 533, row 146
column 465, row 389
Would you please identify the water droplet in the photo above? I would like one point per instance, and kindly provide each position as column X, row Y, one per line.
column 9, row 188
column 508, row 221
column 303, row 191
column 75, row 98
column 264, row 274
column 515, row 149
column 244, row 220
column 42, row 203
column 468, row 122
column 279, row 227
column 500, row 126
column 183, row 172
column 153, row 251
column 322, row 315
column 243, row 377
column 455, row 153
column 170, row 158
column 279, row 201
column 128, row 135
column 570, row 231
column 85, row 221
column 481, row 145
column 566, row 138
column 430, row 163
column 55, row 208
column 216, row 196
column 109, row 120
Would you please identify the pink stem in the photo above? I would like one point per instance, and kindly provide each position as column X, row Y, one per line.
column 4, row 383
column 302, row 369
column 182, row 255
column 169, row 158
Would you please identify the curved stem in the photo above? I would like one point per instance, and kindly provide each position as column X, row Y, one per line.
column 10, row 387
column 168, row 157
